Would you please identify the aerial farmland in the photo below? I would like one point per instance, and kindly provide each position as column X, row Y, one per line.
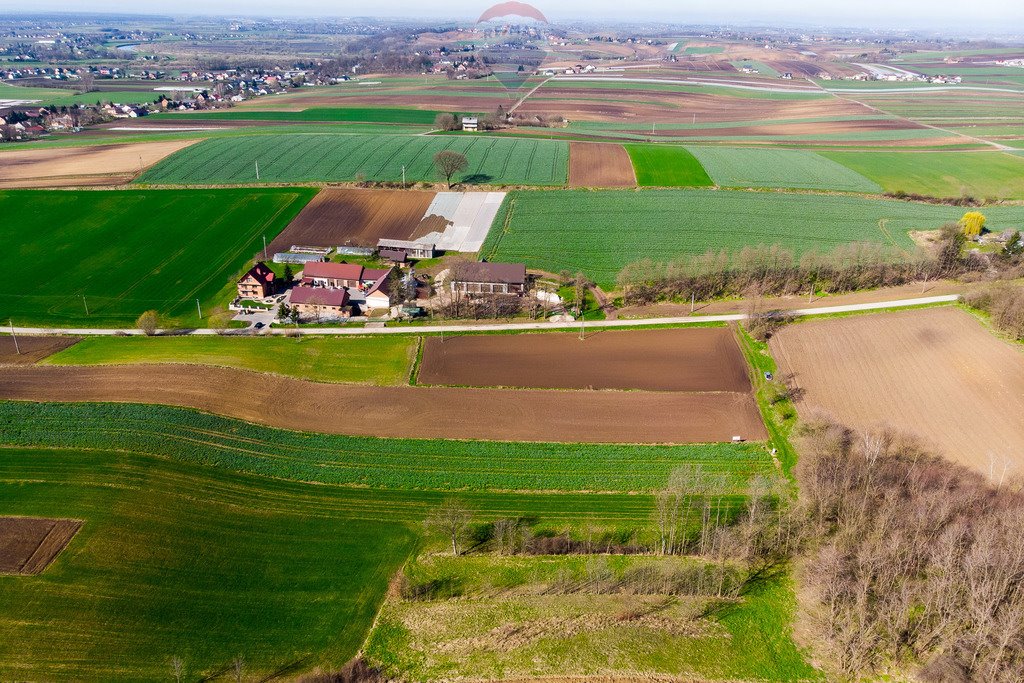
column 508, row 348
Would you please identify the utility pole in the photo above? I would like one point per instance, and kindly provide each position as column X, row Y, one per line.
column 264, row 247
column 693, row 302
column 15, row 337
column 257, row 169
column 403, row 176
column 86, row 304
column 200, row 309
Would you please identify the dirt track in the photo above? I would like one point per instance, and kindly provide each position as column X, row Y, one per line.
column 85, row 165
column 599, row 165
column 355, row 217
column 936, row 373
column 695, row 359
column 491, row 414
column 33, row 349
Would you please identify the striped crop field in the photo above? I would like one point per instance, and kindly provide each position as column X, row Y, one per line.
column 335, row 157
column 600, row 232
column 779, row 168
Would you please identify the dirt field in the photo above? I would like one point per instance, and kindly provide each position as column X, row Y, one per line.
column 33, row 349
column 355, row 218
column 936, row 373
column 599, row 165
column 696, row 359
column 404, row 411
column 86, row 165
column 29, row 544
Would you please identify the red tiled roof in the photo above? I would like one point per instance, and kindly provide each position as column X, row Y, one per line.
column 484, row 271
column 339, row 271
column 381, row 285
column 261, row 272
column 320, row 296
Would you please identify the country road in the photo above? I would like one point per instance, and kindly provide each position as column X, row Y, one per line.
column 503, row 327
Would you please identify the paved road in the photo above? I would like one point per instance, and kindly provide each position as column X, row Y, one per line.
column 511, row 327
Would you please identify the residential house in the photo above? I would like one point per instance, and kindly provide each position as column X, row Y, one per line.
column 470, row 123
column 475, row 278
column 320, row 302
column 258, row 283
column 367, row 288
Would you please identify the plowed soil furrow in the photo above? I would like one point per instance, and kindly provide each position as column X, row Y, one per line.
column 937, row 374
column 410, row 412
column 700, row 359
column 354, row 217
column 599, row 165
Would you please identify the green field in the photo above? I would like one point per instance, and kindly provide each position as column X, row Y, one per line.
column 301, row 158
column 600, row 232
column 44, row 97
column 209, row 538
column 940, row 174
column 666, row 166
column 199, row 438
column 129, row 251
column 179, row 560
column 779, row 168
column 367, row 360
column 707, row 50
column 344, row 114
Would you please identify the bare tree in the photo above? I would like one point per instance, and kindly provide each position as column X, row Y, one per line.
column 448, row 163
column 177, row 668
column 452, row 519
column 148, row 323
column 445, row 121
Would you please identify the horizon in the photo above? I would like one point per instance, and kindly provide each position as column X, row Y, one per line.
column 908, row 16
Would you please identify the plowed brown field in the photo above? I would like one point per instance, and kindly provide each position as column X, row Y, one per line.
column 697, row 359
column 29, row 544
column 410, row 412
column 599, row 165
column 86, row 165
column 355, row 218
column 936, row 373
column 32, row 349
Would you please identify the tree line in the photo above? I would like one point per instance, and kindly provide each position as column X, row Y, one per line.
column 774, row 270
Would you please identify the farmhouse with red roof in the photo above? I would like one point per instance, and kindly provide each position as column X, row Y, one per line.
column 258, row 283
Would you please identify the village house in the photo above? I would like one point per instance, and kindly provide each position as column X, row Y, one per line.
column 258, row 283
column 475, row 278
column 320, row 303
column 470, row 123
column 366, row 288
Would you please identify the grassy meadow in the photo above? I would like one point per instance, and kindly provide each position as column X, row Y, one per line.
column 365, row 360
column 289, row 158
column 129, row 251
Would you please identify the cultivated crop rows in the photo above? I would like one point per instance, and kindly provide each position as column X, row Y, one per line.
column 783, row 168
column 383, row 463
column 331, row 157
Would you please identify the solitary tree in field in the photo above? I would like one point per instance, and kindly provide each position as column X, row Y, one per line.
column 972, row 223
column 148, row 322
column 448, row 163
column 445, row 121
column 451, row 518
